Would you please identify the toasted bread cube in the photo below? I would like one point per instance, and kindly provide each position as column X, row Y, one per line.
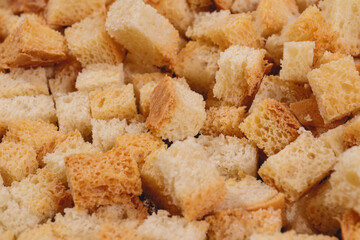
column 133, row 65
column 100, row 75
column 351, row 135
column 297, row 62
column 32, row 44
column 90, row 43
column 273, row 15
column 73, row 112
column 225, row 29
column 336, row 88
column 102, row 178
column 296, row 217
column 239, row 6
column 20, row 6
column 350, row 226
column 200, row 5
column 139, row 80
column 329, row 57
column 17, row 161
column 111, row 102
column 334, row 139
column 9, row 21
column 271, row 126
column 239, row 223
column 303, row 4
column 176, row 112
column 240, row 72
column 298, row 167
column 110, row 230
column 66, row 13
column 144, row 32
column 41, row 231
column 223, row 4
column 291, row 235
column 275, row 47
column 8, row 235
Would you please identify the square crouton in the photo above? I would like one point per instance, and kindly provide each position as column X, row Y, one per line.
column 336, row 86
column 90, row 43
column 97, row 179
column 241, row 224
column 329, row 57
column 20, row 6
column 225, row 29
column 298, row 167
column 32, row 44
column 200, row 5
column 240, row 72
column 100, row 75
column 176, row 112
column 73, row 112
column 297, row 61
column 112, row 102
column 351, row 134
column 17, row 161
column 139, row 80
column 66, row 13
column 197, row 62
column 271, row 126
column 334, row 139
column 144, row 32
column 275, row 46
column 350, row 225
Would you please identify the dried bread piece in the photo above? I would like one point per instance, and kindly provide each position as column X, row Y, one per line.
column 200, row 5
column 7, row 235
column 35, row 77
column 296, row 217
column 140, row 80
column 115, row 231
column 351, row 135
column 20, row 6
column 275, row 47
column 303, row 4
column 239, row 6
column 329, row 57
column 334, row 139
column 133, row 65
column 43, row 231
column 298, row 167
column 350, row 226
column 290, row 235
column 8, row 20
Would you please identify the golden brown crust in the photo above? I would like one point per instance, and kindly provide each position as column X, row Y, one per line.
column 223, row 4
column 350, row 226
column 351, row 134
column 19, row 6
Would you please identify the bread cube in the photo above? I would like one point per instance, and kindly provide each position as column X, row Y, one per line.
column 133, row 65
column 9, row 21
column 200, row 5
column 97, row 179
column 240, row 72
column 66, row 13
column 100, row 75
column 176, row 112
column 198, row 62
column 32, row 43
column 111, row 102
column 350, row 227
column 239, row 6
column 303, row 4
column 139, row 80
column 298, row 167
column 297, row 61
column 336, row 88
column 351, row 135
column 89, row 42
column 17, row 161
column 329, row 57
column 296, row 217
column 43, row 231
column 290, row 235
column 275, row 47
column 10, row 87
column 73, row 112
column 225, row 29
column 110, row 230
column 144, row 32
column 20, row 6
column 223, row 4
column 334, row 139
column 271, row 126
column 8, row 235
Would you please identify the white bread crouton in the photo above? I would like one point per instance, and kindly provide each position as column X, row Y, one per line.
column 89, row 42
column 34, row 76
column 297, row 61
column 20, row 6
column 8, row 235
column 336, row 88
column 144, row 32
column 290, row 235
column 176, row 112
column 240, row 72
column 140, row 80
column 296, row 218
column 303, row 4
column 329, row 57
column 9, row 22
column 200, row 5
column 351, row 134
column 271, row 126
column 334, row 139
column 275, row 46
column 286, row 170
column 239, row 6
column 350, row 226
column 41, row 231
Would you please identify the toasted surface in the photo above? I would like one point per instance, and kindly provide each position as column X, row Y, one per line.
column 334, row 139
column 19, row 6
column 290, row 235
column 297, row 219
column 350, row 225
column 140, row 80
column 351, row 135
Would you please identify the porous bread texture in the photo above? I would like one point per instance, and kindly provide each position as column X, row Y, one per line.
column 17, row 161
column 109, row 231
column 97, row 179
column 274, row 46
column 198, row 63
column 290, row 235
column 283, row 91
column 303, row 4
column 32, row 43
column 232, row 156
column 297, row 61
column 251, row 194
column 89, row 42
column 271, row 126
column 223, row 120
column 144, row 32
column 296, row 218
column 345, row 180
column 336, row 88
column 20, row 6
column 7, row 235
column 139, row 80
column 162, row 226
column 101, row 75
column 298, row 167
column 70, row 144
column 113, row 102
column 133, row 65
column 350, row 225
column 239, row 6
column 322, row 209
column 241, row 224
column 329, row 57
column 200, row 5
column 176, row 112
column 272, row 15
column 343, row 16
column 334, row 139
column 9, row 22
column 351, row 135
column 73, row 112
column 240, row 72
column 225, row 29
column 41, row 231
column 66, row 13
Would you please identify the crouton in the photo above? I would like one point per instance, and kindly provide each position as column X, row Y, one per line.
column 335, row 86
column 144, row 32
column 286, row 170
column 102, row 178
column 9, row 22
column 8, row 235
column 236, row 86
column 275, row 46
column 351, row 135
column 176, row 112
column 334, row 139
column 297, row 61
column 271, row 126
column 90, row 43
column 239, row 6
column 139, row 80
column 133, row 65
column 111, row 231
column 290, row 235
column 200, row 5
column 350, row 225
column 223, row 4
column 20, row 6
column 43, row 231
column 296, row 217
column 303, row 4
column 17, row 161
column 329, row 57
column 36, row 77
